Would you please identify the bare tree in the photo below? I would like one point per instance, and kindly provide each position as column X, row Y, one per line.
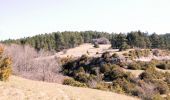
column 29, row 63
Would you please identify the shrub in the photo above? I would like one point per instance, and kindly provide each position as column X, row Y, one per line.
column 5, row 66
column 151, row 74
column 155, row 52
column 146, row 90
column 106, row 55
column 66, row 60
column 126, row 85
column 167, row 78
column 105, row 68
column 96, row 45
column 72, row 82
column 83, row 57
column 114, row 74
column 102, row 86
column 125, row 54
column 163, row 66
column 157, row 97
column 139, row 53
column 124, row 46
column 161, row 86
column 115, row 55
column 82, row 77
column 134, row 66
column 118, row 89
column 92, row 83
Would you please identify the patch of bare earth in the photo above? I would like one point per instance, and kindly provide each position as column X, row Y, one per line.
column 22, row 89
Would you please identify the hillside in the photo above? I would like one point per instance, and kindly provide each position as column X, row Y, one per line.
column 22, row 89
column 99, row 68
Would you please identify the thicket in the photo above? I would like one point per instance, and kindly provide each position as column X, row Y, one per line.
column 106, row 74
column 140, row 65
column 28, row 63
column 163, row 65
column 139, row 53
column 5, row 66
column 72, row 82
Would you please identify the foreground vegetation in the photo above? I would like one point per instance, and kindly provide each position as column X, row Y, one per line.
column 5, row 66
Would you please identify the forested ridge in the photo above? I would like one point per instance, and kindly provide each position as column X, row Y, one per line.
column 62, row 40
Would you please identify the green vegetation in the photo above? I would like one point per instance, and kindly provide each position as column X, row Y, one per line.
column 106, row 74
column 72, row 82
column 139, row 53
column 61, row 40
column 163, row 65
column 5, row 66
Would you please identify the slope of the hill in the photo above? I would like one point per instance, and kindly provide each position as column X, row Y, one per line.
column 22, row 89
column 88, row 48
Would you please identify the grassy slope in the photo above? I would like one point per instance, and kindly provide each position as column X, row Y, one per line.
column 22, row 89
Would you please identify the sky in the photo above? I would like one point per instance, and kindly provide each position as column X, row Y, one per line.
column 21, row 18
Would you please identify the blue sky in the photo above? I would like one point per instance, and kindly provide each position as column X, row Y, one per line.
column 19, row 18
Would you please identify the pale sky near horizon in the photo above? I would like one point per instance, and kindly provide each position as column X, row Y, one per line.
column 19, row 18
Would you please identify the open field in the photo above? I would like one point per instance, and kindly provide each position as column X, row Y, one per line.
column 22, row 89
column 87, row 47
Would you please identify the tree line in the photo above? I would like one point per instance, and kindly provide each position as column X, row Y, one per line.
column 63, row 40
column 140, row 40
column 59, row 40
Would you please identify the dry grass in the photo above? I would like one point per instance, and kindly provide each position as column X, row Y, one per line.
column 22, row 89
column 136, row 73
column 87, row 47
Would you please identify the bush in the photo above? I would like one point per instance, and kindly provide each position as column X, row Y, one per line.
column 114, row 74
column 126, row 85
column 82, row 77
column 105, row 68
column 118, row 89
column 167, row 78
column 163, row 66
column 72, row 82
column 115, row 55
column 124, row 47
column 102, row 86
column 96, row 45
column 5, row 66
column 134, row 66
column 161, row 86
column 106, row 55
column 125, row 54
column 139, row 53
column 155, row 52
column 151, row 74
column 157, row 97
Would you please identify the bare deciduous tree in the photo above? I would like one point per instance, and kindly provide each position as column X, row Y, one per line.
column 29, row 63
